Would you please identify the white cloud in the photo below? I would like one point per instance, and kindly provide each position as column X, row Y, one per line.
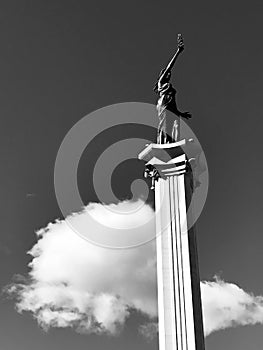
column 73, row 283
column 149, row 330
column 227, row 305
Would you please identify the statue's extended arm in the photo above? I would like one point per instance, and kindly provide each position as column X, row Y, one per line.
column 172, row 61
column 180, row 48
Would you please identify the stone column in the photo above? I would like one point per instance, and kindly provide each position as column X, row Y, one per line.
column 179, row 302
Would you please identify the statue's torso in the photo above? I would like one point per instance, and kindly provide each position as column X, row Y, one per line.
column 166, row 98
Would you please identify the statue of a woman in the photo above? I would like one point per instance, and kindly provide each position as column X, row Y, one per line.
column 168, row 127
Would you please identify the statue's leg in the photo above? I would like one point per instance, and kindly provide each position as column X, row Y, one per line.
column 161, row 133
column 171, row 133
column 160, row 136
column 163, row 137
column 160, row 130
column 176, row 130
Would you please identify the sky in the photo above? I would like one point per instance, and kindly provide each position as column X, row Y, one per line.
column 63, row 60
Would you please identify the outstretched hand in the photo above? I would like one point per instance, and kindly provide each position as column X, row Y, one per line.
column 186, row 115
column 180, row 42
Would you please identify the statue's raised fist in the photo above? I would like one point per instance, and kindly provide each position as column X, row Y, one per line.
column 180, row 42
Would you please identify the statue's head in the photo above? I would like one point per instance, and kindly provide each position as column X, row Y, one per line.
column 166, row 77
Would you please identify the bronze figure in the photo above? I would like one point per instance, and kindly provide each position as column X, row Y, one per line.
column 169, row 126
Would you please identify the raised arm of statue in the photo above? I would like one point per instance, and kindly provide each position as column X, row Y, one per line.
column 168, row 68
column 180, row 48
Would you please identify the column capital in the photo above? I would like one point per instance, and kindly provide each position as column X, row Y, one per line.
column 168, row 159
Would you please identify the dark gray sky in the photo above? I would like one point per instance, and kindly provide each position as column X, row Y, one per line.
column 63, row 59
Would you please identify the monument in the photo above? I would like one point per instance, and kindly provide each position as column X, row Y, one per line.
column 169, row 166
